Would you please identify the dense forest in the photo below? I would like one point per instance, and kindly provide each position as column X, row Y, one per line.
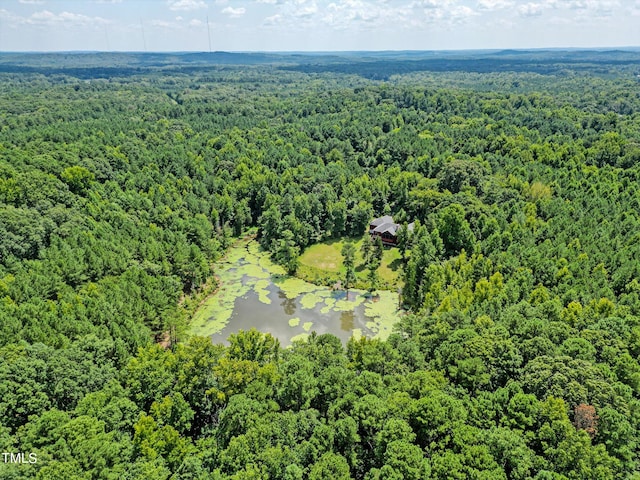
column 518, row 357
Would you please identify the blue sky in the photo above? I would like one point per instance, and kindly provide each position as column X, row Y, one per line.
column 295, row 25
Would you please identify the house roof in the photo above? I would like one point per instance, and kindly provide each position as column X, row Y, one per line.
column 392, row 228
column 387, row 225
column 381, row 221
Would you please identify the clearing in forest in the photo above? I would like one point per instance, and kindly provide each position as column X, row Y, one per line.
column 322, row 264
column 256, row 293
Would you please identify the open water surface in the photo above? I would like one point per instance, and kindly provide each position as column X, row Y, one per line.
column 255, row 293
column 274, row 318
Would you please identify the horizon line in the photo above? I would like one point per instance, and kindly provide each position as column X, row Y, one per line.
column 298, row 52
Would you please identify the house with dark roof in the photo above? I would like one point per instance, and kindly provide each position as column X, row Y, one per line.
column 386, row 229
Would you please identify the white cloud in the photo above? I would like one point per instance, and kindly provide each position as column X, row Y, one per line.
column 196, row 23
column 345, row 13
column 434, row 3
column 443, row 12
column 234, row 12
column 494, row 4
column 599, row 7
column 273, row 20
column 532, row 9
column 31, row 2
column 341, row 15
column 307, row 10
column 367, row 14
column 571, row 10
column 588, row 4
column 64, row 19
column 186, row 5
column 462, row 12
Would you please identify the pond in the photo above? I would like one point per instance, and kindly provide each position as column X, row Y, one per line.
column 254, row 292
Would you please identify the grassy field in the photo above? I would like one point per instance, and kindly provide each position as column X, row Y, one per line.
column 322, row 264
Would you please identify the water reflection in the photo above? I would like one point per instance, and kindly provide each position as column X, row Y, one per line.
column 347, row 321
column 285, row 318
column 288, row 304
column 340, row 295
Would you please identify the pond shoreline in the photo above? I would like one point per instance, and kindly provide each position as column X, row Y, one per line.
column 254, row 292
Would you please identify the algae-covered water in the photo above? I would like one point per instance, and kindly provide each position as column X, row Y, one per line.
column 254, row 292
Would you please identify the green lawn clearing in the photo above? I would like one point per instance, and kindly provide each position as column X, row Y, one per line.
column 322, row 264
